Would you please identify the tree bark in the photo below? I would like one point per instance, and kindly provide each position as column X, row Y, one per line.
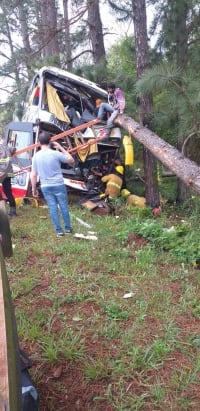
column 67, row 35
column 142, row 61
column 180, row 13
column 96, row 31
column 188, row 171
column 49, row 28
column 25, row 36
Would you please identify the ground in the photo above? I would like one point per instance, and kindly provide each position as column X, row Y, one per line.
column 80, row 395
column 147, row 361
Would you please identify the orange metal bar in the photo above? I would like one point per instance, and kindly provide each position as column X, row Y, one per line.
column 58, row 136
column 73, row 150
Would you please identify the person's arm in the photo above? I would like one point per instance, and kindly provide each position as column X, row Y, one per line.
column 105, row 178
column 121, row 100
column 57, row 146
column 12, row 150
column 33, row 178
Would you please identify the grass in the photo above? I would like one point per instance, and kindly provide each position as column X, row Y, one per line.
column 116, row 353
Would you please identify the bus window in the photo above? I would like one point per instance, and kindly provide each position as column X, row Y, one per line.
column 32, row 92
column 19, row 140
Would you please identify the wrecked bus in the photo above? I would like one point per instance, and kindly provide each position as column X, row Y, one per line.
column 66, row 105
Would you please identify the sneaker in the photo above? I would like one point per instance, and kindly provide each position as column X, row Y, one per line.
column 60, row 234
column 68, row 231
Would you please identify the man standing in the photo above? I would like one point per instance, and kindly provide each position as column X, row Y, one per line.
column 115, row 105
column 46, row 164
column 6, row 157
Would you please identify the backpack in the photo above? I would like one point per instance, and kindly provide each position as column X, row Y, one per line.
column 4, row 162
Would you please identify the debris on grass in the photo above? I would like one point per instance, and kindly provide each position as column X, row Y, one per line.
column 128, row 295
column 86, row 237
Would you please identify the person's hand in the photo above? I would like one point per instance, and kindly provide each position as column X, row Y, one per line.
column 35, row 192
column 56, row 145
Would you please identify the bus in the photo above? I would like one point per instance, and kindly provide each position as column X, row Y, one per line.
column 65, row 105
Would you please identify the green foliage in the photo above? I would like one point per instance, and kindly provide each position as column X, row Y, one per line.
column 179, row 240
column 123, row 306
column 158, row 78
column 96, row 73
column 122, row 8
column 5, row 116
column 176, row 100
column 96, row 370
column 115, row 312
column 122, row 70
column 119, row 69
column 175, row 23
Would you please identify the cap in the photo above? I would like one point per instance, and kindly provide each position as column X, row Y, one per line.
column 120, row 169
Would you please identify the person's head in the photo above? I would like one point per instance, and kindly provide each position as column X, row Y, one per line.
column 120, row 169
column 44, row 138
column 98, row 102
column 66, row 97
column 111, row 87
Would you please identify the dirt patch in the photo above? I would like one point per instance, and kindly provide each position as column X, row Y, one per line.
column 76, row 393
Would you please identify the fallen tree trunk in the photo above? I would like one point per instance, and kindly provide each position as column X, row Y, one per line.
column 187, row 170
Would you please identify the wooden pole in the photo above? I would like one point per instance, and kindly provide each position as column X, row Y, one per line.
column 10, row 379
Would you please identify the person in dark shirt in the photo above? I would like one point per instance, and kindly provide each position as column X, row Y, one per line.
column 6, row 183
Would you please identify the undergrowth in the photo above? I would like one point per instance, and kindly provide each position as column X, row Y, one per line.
column 121, row 311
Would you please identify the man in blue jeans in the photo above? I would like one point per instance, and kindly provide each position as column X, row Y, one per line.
column 46, row 164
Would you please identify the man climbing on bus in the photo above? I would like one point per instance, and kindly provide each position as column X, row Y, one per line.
column 115, row 105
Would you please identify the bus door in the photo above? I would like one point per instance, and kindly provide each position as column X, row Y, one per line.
column 20, row 135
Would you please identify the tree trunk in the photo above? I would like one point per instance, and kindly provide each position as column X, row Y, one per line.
column 181, row 33
column 180, row 13
column 182, row 192
column 49, row 28
column 25, row 36
column 188, row 171
column 142, row 61
column 96, row 31
column 67, row 35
